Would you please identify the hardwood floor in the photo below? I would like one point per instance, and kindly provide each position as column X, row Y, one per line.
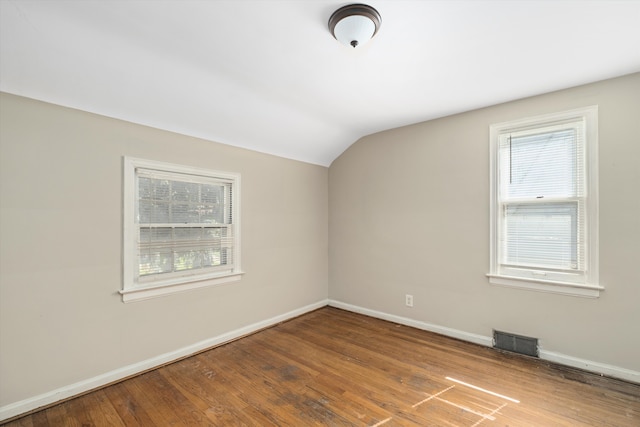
column 335, row 368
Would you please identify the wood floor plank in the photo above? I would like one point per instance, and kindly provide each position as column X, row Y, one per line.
column 336, row 368
column 163, row 405
column 126, row 406
column 249, row 386
column 102, row 411
column 202, row 390
column 341, row 357
column 79, row 408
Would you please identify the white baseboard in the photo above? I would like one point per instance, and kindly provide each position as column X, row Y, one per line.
column 562, row 359
column 591, row 366
column 442, row 330
column 27, row 405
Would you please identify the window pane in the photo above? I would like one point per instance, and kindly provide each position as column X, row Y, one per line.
column 185, row 191
column 539, row 165
column 177, row 202
column 211, row 214
column 145, row 188
column 213, row 208
column 185, row 205
column 183, row 213
column 187, row 260
column 541, row 234
column 168, row 249
column 149, row 236
column 161, row 189
column 211, row 257
column 212, row 194
column 187, row 234
column 155, row 262
column 153, row 212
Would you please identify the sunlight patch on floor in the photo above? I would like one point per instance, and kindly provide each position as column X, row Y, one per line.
column 464, row 402
column 483, row 390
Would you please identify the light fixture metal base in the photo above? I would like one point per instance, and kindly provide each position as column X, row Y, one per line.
column 358, row 18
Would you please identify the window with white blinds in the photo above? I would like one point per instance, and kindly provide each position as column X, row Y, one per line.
column 181, row 228
column 544, row 203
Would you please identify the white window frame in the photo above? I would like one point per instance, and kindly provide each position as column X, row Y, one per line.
column 134, row 288
column 584, row 284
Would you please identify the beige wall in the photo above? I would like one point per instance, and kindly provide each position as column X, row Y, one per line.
column 61, row 319
column 409, row 214
column 406, row 212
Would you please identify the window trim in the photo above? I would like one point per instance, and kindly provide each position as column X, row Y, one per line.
column 591, row 287
column 135, row 291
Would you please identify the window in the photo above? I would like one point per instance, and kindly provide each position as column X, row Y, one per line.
column 181, row 228
column 544, row 203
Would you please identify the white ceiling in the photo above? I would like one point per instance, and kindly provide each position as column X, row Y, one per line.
column 268, row 76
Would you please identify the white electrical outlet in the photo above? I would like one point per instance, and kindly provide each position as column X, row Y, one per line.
column 408, row 300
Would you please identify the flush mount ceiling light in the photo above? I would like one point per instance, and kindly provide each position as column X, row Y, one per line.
column 355, row 24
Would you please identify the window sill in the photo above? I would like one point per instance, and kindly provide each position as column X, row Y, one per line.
column 554, row 287
column 146, row 292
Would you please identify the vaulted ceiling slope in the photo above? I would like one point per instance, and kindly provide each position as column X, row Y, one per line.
column 268, row 76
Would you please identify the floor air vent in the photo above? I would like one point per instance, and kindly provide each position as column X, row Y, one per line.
column 515, row 343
